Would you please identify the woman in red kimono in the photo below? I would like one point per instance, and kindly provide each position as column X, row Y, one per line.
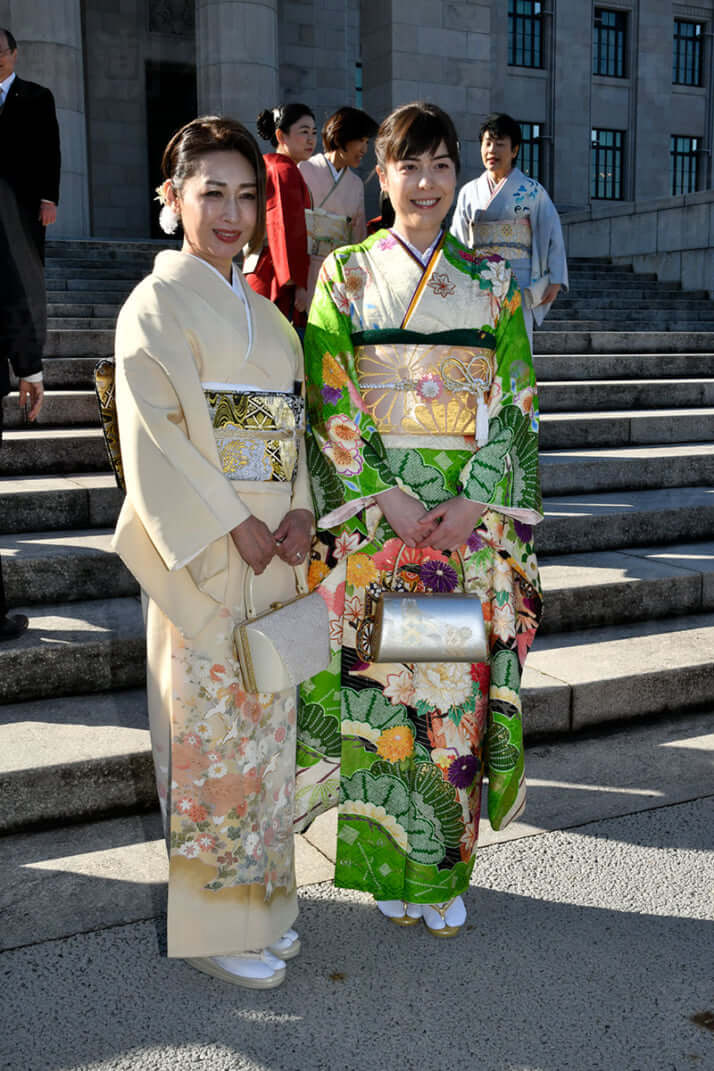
column 281, row 269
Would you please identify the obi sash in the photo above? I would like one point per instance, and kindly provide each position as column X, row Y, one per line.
column 257, row 433
column 414, row 386
column 509, row 238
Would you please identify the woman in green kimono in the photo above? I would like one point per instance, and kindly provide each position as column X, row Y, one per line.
column 424, row 465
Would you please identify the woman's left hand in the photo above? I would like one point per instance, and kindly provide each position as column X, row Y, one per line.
column 457, row 519
column 294, row 535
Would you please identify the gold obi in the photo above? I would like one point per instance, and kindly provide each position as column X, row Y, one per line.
column 326, row 231
column 418, row 389
column 509, row 238
column 257, row 433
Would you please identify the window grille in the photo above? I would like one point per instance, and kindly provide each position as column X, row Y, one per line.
column 687, row 53
column 609, row 40
column 529, row 156
column 525, row 33
column 683, row 159
column 606, row 165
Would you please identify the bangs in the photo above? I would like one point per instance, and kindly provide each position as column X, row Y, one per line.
column 415, row 129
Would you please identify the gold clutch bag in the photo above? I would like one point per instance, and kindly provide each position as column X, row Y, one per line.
column 405, row 626
column 104, row 383
column 284, row 645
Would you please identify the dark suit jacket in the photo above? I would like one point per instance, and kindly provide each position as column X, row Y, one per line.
column 29, row 144
column 29, row 173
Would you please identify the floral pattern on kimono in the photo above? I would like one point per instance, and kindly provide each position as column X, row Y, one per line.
column 410, row 742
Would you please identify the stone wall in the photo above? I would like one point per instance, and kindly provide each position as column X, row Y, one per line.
column 673, row 237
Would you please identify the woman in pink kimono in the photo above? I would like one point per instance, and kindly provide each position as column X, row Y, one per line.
column 338, row 215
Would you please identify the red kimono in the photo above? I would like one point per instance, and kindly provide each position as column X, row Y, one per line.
column 285, row 255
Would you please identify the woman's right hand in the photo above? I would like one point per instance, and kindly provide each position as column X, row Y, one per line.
column 255, row 543
column 300, row 298
column 405, row 514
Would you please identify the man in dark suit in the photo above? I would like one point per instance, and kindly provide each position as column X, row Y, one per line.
column 29, row 192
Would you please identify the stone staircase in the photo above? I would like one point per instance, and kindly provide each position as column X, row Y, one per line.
column 626, row 548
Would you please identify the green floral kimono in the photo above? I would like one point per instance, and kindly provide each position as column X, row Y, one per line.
column 420, row 378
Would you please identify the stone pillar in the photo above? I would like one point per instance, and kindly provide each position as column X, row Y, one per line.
column 651, row 112
column 49, row 38
column 422, row 50
column 572, row 88
column 237, row 57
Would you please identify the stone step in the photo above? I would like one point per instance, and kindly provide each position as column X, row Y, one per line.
column 605, row 520
column 74, row 648
column 42, row 567
column 81, row 323
column 627, row 427
column 608, row 271
column 615, row 394
column 619, row 296
column 626, row 671
column 580, row 284
column 78, row 310
column 80, row 757
column 79, row 343
column 645, row 468
column 95, row 285
column 69, row 373
column 598, row 589
column 52, row 450
column 89, row 757
column 108, row 299
column 637, row 313
column 127, row 274
column 669, row 323
column 58, row 503
column 577, row 340
column 59, row 408
column 585, row 366
column 109, row 247
column 133, row 260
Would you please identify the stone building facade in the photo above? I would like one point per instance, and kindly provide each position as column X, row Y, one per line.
column 616, row 98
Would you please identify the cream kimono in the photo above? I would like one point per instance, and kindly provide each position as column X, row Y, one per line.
column 203, row 449
column 340, row 193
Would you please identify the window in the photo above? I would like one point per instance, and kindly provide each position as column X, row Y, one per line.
column 525, row 36
column 683, row 164
column 606, row 165
column 609, row 42
column 529, row 156
column 687, row 53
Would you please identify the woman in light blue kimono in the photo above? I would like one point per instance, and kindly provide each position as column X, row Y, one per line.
column 506, row 212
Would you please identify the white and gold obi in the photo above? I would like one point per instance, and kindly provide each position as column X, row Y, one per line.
column 257, row 432
column 509, row 238
column 426, row 390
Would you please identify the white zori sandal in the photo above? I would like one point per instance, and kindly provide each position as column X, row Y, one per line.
column 400, row 912
column 253, row 970
column 287, row 947
column 445, row 920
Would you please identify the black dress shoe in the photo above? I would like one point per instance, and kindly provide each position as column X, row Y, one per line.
column 12, row 627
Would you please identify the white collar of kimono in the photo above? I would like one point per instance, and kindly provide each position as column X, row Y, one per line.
column 238, row 287
column 335, row 173
column 424, row 257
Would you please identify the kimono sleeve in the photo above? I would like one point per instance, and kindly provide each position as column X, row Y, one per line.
column 503, row 474
column 347, row 460
column 460, row 222
column 183, row 500
column 359, row 219
column 285, row 226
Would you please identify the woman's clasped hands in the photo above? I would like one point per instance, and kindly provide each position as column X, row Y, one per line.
column 446, row 527
column 290, row 541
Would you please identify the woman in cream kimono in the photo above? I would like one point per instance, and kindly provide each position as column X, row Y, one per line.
column 424, row 466
column 210, row 421
column 337, row 216
column 506, row 212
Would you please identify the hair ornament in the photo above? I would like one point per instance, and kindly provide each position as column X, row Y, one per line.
column 169, row 218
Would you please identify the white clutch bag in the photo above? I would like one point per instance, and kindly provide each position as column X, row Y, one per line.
column 285, row 645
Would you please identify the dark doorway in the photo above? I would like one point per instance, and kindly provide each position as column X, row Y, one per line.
column 170, row 102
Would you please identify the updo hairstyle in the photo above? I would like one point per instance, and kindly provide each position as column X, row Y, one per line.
column 347, row 124
column 215, row 133
column 414, row 129
column 273, row 119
